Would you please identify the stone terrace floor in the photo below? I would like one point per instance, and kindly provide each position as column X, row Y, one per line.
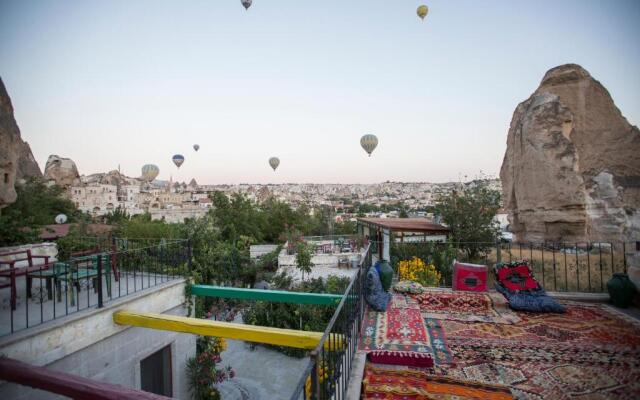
column 592, row 351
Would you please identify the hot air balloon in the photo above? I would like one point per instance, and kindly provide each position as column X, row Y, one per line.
column 274, row 162
column 150, row 172
column 369, row 143
column 422, row 11
column 178, row 159
column 196, row 147
column 246, row 4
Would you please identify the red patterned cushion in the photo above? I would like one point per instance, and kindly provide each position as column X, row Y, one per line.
column 470, row 277
column 517, row 278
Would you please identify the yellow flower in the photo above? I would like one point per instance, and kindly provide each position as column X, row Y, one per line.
column 416, row 270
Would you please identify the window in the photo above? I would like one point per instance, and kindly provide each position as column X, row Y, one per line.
column 155, row 373
column 6, row 178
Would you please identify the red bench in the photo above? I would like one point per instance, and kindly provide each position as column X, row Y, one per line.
column 12, row 272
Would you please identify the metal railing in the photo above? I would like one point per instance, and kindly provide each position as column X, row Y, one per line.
column 89, row 274
column 563, row 267
column 329, row 369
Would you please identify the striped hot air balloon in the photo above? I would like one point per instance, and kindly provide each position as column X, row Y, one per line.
column 150, row 172
column 369, row 143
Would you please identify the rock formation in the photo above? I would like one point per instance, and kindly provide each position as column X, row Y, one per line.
column 62, row 171
column 16, row 159
column 571, row 171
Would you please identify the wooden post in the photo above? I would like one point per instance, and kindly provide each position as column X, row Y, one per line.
column 205, row 327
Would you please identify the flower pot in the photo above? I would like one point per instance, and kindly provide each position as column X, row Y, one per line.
column 621, row 290
column 386, row 274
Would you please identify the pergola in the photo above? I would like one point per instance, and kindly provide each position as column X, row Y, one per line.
column 382, row 230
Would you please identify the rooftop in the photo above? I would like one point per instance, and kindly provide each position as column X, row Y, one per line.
column 406, row 224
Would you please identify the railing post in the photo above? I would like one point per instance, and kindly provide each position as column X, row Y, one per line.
column 100, row 301
column 498, row 251
column 315, row 388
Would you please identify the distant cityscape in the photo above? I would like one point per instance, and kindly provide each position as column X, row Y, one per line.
column 172, row 201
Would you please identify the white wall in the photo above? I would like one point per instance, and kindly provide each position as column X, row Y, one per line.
column 91, row 345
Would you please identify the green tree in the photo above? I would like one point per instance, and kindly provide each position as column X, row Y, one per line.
column 236, row 217
column 36, row 205
column 303, row 258
column 469, row 213
column 345, row 228
column 143, row 227
column 276, row 217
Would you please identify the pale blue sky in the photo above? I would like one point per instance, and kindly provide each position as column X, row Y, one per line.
column 132, row 82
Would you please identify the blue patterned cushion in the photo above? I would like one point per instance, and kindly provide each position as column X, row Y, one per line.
column 375, row 295
column 531, row 300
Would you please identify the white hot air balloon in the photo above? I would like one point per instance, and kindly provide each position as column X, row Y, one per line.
column 274, row 162
column 61, row 219
column 150, row 172
column 246, row 3
column 369, row 143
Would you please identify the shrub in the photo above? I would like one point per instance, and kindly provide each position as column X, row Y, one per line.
column 416, row 270
column 203, row 371
column 296, row 316
column 439, row 254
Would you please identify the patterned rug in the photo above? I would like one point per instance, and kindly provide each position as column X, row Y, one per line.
column 404, row 384
column 464, row 306
column 591, row 352
column 404, row 330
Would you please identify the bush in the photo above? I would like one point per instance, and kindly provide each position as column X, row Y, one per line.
column 36, row 205
column 441, row 255
column 416, row 270
column 296, row 316
column 203, row 371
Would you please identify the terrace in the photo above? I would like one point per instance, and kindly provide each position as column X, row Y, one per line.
column 331, row 255
column 84, row 275
column 474, row 341
column 445, row 342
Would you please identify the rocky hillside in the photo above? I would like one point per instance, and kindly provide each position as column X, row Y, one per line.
column 16, row 160
column 572, row 167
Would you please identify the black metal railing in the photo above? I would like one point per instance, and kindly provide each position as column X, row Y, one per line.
column 564, row 267
column 329, row 369
column 88, row 274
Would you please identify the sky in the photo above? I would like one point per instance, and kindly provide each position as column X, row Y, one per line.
column 125, row 83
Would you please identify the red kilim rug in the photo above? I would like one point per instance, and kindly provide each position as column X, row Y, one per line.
column 404, row 330
column 591, row 352
column 397, row 384
column 466, row 306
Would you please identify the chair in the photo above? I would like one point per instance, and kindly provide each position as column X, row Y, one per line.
column 12, row 272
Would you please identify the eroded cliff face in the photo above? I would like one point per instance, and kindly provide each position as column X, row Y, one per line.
column 62, row 171
column 571, row 171
column 16, row 160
